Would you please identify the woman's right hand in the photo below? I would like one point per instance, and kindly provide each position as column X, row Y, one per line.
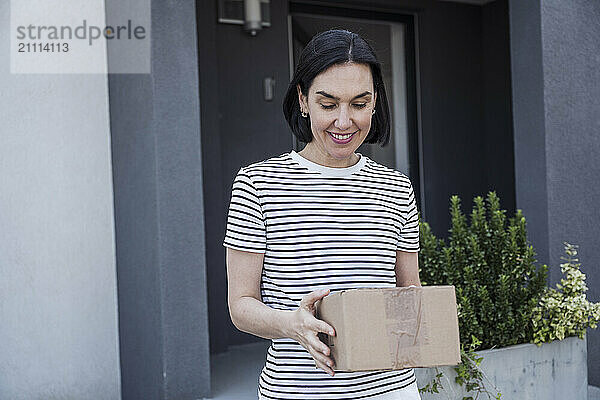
column 305, row 328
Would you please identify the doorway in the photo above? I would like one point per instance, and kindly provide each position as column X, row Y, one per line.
column 239, row 357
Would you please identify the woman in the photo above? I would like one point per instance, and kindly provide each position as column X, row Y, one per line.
column 325, row 219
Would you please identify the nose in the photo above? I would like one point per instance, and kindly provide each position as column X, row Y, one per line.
column 343, row 121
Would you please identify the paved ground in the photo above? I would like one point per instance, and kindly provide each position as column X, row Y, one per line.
column 593, row 393
column 234, row 374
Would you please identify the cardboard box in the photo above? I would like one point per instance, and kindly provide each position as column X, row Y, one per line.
column 391, row 328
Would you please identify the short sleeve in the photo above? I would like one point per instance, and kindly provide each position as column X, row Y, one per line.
column 408, row 239
column 245, row 222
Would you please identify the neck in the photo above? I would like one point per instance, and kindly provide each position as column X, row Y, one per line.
column 312, row 154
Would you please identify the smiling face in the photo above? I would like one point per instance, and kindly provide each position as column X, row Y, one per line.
column 340, row 102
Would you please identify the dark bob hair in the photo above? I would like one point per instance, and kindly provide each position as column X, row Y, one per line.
column 326, row 49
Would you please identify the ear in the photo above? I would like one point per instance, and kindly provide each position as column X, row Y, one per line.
column 301, row 99
column 374, row 99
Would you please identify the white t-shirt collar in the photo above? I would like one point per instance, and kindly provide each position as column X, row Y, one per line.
column 329, row 171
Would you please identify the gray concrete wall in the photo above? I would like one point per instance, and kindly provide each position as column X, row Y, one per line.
column 571, row 48
column 58, row 288
column 159, row 214
column 556, row 92
column 554, row 371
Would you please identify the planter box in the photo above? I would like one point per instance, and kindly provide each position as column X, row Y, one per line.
column 556, row 370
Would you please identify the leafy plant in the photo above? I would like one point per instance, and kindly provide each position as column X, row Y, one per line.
column 497, row 282
column 565, row 311
column 435, row 385
column 492, row 268
column 502, row 295
column 470, row 375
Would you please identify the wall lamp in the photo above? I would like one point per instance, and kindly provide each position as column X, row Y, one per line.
column 252, row 14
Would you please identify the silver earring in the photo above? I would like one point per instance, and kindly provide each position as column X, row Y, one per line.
column 373, row 112
column 303, row 114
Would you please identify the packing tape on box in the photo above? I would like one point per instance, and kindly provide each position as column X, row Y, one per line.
column 405, row 324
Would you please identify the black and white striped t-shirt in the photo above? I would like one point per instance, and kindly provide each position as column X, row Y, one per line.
column 321, row 227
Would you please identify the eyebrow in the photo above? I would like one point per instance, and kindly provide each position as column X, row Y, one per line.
column 337, row 98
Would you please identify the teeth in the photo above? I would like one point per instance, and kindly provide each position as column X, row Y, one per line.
column 342, row 137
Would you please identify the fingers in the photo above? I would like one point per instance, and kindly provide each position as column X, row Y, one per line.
column 319, row 346
column 324, row 367
column 320, row 357
column 309, row 327
column 321, row 354
column 321, row 360
column 310, row 299
column 316, row 326
column 319, row 351
column 324, row 327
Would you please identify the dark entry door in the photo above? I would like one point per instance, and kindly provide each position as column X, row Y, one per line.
column 247, row 127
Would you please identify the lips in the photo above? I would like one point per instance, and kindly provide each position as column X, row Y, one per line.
column 341, row 138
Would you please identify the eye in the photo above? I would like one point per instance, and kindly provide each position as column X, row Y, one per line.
column 327, row 106
column 360, row 105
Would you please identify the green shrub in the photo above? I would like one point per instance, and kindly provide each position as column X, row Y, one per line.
column 494, row 271
column 502, row 295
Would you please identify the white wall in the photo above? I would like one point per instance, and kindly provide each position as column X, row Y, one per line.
column 58, row 297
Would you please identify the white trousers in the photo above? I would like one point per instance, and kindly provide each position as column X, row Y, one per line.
column 411, row 392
